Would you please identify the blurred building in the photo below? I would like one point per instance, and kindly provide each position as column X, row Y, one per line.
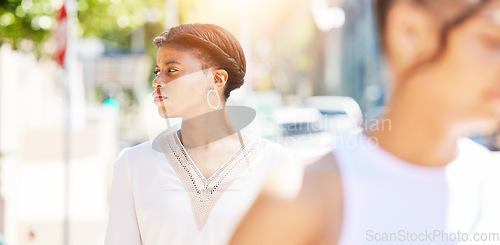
column 362, row 71
column 32, row 142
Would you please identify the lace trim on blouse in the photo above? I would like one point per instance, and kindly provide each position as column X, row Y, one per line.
column 204, row 193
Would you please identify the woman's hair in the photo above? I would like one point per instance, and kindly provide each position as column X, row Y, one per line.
column 468, row 8
column 212, row 44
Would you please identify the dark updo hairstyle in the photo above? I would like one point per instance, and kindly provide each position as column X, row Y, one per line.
column 212, row 44
column 468, row 9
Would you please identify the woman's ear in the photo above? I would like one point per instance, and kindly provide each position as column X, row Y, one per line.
column 220, row 78
column 412, row 34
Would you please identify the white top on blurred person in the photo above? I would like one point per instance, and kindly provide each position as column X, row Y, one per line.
column 414, row 173
column 192, row 186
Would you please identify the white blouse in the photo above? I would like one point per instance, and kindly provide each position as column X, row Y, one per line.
column 158, row 195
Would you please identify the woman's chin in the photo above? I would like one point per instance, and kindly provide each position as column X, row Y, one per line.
column 165, row 113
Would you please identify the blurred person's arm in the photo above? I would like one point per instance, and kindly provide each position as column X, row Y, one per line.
column 122, row 223
column 284, row 214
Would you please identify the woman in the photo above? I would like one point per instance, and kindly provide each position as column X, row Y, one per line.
column 191, row 186
column 413, row 179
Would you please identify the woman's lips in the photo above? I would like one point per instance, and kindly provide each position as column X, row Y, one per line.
column 158, row 97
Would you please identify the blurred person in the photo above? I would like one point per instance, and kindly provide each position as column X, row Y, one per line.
column 414, row 177
column 191, row 186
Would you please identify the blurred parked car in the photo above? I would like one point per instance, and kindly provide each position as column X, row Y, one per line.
column 342, row 114
column 309, row 130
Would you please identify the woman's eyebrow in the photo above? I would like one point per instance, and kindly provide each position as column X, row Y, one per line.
column 168, row 63
column 171, row 62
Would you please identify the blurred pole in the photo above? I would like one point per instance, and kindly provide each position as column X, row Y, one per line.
column 138, row 43
column 2, row 207
column 68, row 65
column 171, row 13
column 333, row 56
column 329, row 17
column 319, row 70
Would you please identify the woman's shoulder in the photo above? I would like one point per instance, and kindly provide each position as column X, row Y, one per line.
column 135, row 152
column 138, row 149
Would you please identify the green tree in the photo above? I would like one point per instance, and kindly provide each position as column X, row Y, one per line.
column 27, row 25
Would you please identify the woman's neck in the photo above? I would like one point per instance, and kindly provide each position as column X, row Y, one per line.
column 205, row 129
column 417, row 133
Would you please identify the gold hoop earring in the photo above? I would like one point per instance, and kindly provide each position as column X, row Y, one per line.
column 218, row 98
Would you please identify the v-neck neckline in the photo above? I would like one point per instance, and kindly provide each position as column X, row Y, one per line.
column 204, row 193
column 241, row 150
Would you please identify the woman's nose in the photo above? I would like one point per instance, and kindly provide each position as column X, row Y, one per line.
column 158, row 82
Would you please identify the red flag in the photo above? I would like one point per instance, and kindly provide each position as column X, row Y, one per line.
column 61, row 34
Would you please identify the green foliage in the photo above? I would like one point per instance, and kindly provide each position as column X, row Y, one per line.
column 115, row 19
column 28, row 24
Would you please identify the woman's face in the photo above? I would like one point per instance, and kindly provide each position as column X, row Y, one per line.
column 181, row 85
column 464, row 81
column 469, row 71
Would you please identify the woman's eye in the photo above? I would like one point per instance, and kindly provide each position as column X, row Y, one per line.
column 492, row 42
column 156, row 72
column 171, row 70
